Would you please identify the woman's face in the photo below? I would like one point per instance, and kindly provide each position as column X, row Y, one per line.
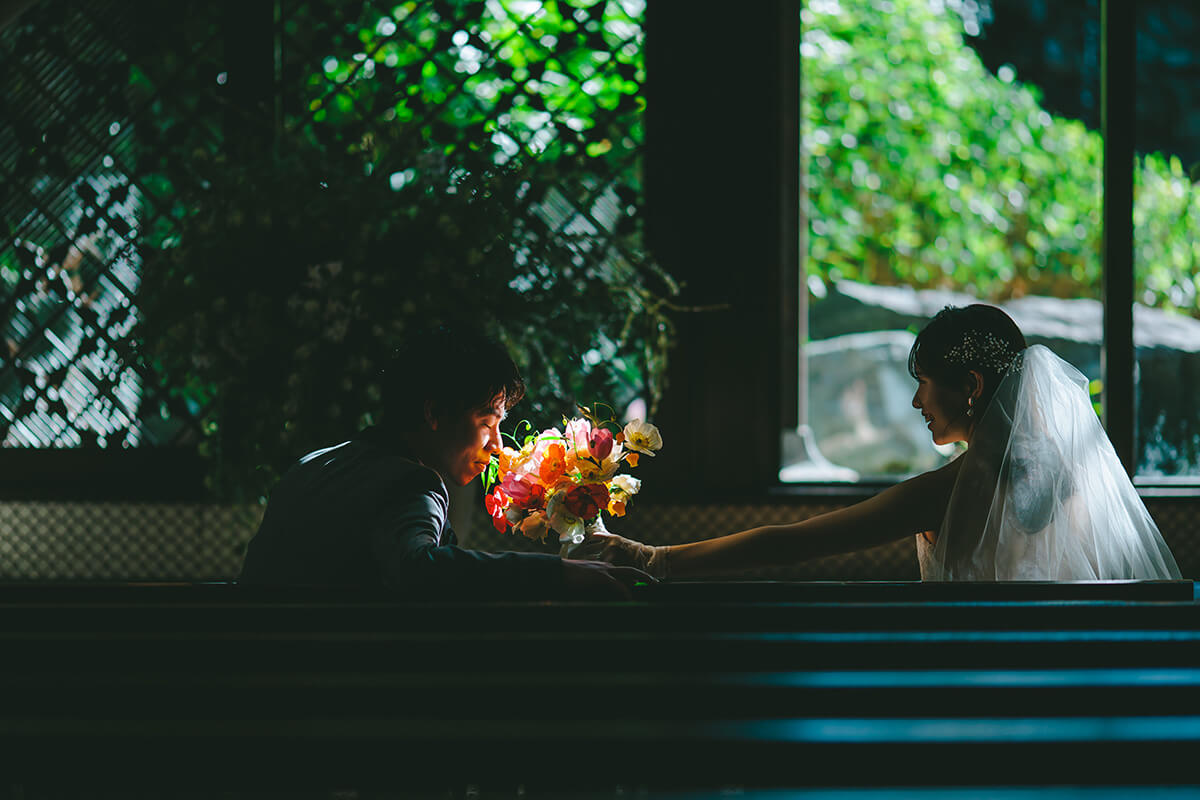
column 944, row 409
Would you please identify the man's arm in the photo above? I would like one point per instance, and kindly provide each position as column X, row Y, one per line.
column 404, row 542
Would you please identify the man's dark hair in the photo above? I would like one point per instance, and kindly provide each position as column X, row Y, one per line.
column 957, row 340
column 456, row 369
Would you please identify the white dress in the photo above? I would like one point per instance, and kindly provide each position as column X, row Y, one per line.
column 929, row 567
column 1041, row 495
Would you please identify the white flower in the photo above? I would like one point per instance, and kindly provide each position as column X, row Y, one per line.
column 626, row 484
column 568, row 526
column 642, row 437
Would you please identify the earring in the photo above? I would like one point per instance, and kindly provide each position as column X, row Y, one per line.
column 970, row 410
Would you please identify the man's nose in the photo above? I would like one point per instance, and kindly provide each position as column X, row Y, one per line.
column 493, row 441
column 915, row 403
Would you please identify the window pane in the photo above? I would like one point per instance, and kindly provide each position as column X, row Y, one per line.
column 1167, row 241
column 950, row 154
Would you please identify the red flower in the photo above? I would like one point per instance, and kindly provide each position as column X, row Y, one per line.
column 600, row 443
column 586, row 501
column 495, row 503
column 525, row 493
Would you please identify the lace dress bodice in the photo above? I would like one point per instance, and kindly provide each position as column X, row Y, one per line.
column 925, row 558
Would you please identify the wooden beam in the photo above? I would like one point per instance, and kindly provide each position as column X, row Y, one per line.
column 1118, row 58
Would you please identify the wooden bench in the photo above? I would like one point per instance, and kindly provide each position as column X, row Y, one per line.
column 188, row 688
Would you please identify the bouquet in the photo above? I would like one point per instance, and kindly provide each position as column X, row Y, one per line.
column 563, row 481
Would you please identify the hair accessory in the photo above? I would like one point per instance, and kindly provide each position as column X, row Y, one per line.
column 982, row 350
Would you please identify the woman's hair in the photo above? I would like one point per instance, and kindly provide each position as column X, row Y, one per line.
column 455, row 368
column 959, row 340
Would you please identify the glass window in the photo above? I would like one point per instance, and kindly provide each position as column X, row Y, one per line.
column 1167, row 242
column 950, row 154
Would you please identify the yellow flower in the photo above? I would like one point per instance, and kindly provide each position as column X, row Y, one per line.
column 592, row 472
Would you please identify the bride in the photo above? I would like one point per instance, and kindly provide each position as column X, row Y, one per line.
column 1039, row 493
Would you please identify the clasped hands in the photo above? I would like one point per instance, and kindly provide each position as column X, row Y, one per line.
column 622, row 552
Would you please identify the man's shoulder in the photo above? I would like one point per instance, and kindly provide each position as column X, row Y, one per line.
column 365, row 463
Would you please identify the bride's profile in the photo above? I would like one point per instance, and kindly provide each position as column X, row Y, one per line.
column 1039, row 493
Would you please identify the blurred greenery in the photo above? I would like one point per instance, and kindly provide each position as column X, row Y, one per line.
column 436, row 162
column 926, row 170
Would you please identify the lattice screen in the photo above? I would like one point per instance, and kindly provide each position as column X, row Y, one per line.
column 68, row 264
column 100, row 99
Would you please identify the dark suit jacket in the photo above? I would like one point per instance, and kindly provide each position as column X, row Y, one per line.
column 364, row 513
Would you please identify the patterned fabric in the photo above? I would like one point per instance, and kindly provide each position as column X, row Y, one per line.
column 110, row 542
column 115, row 542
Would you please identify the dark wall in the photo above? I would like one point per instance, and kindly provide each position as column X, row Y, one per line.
column 721, row 167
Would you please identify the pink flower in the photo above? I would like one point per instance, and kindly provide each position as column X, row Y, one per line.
column 524, row 492
column 600, row 443
column 578, row 434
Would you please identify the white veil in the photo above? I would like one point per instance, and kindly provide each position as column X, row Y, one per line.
column 1041, row 495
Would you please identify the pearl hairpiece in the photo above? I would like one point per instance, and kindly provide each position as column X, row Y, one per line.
column 982, row 349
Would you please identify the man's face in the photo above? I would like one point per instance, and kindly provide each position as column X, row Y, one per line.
column 464, row 443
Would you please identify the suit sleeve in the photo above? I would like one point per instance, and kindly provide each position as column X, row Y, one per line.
column 405, row 543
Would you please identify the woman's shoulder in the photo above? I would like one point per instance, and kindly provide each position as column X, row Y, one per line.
column 942, row 477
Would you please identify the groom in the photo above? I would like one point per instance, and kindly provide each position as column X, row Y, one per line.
column 373, row 511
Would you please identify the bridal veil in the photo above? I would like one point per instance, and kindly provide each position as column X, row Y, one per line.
column 1041, row 495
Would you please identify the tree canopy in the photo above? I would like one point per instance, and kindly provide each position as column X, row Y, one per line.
column 925, row 169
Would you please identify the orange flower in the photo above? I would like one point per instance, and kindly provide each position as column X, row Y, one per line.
column 631, row 458
column 504, row 461
column 616, row 507
column 554, row 464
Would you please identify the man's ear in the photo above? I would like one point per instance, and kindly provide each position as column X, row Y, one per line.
column 430, row 417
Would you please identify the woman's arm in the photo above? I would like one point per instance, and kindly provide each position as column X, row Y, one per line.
column 918, row 504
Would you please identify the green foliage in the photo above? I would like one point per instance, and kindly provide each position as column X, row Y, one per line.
column 438, row 162
column 1166, row 220
column 926, row 170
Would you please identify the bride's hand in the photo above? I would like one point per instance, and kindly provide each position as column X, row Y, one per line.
column 624, row 552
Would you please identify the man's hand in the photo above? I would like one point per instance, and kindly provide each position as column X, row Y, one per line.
column 595, row 580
